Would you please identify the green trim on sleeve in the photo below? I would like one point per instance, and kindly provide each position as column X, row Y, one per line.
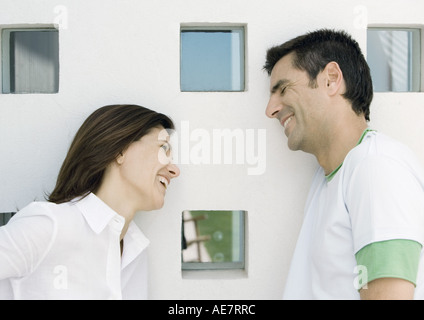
column 397, row 258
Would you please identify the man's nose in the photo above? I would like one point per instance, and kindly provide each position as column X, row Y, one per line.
column 274, row 106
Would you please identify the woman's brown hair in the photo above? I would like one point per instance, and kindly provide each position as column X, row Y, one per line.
column 106, row 133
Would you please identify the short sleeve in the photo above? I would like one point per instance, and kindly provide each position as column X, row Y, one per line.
column 25, row 240
column 390, row 259
column 385, row 201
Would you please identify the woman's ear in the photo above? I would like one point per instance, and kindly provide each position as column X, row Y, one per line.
column 334, row 78
column 120, row 158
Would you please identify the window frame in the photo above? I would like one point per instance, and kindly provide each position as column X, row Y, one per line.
column 5, row 55
column 217, row 28
column 234, row 265
column 416, row 78
column 5, row 217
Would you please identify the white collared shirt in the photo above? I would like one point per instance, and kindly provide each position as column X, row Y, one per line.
column 71, row 251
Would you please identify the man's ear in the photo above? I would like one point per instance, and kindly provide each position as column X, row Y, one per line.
column 333, row 76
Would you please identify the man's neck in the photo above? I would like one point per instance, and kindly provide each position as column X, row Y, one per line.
column 342, row 140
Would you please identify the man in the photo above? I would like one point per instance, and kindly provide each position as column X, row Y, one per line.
column 363, row 229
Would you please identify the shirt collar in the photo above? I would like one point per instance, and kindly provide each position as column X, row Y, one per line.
column 97, row 213
column 134, row 243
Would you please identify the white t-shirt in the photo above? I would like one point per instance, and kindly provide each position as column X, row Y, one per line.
column 377, row 195
column 71, row 251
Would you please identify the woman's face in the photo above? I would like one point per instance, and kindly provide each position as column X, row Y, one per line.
column 146, row 169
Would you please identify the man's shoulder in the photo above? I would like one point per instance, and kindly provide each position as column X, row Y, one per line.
column 376, row 146
column 379, row 151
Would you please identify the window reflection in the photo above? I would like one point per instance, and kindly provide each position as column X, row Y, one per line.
column 5, row 217
column 212, row 59
column 212, row 239
column 30, row 60
column 394, row 59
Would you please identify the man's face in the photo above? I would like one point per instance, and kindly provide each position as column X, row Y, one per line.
column 299, row 108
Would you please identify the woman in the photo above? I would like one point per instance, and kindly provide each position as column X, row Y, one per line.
column 82, row 243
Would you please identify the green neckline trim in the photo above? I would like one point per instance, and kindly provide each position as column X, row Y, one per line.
column 332, row 174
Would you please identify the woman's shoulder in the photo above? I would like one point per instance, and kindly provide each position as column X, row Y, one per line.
column 31, row 233
column 37, row 211
column 36, row 208
column 60, row 215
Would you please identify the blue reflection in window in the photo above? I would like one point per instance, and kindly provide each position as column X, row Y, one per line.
column 394, row 57
column 212, row 59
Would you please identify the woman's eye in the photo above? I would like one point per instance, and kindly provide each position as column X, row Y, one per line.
column 166, row 147
column 165, row 154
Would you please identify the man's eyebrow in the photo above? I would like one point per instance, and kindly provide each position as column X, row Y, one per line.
column 280, row 83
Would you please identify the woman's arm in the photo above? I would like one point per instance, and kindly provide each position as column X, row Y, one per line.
column 25, row 240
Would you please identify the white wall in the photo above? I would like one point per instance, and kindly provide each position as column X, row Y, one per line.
column 127, row 51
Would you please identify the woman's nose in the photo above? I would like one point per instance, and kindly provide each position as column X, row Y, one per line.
column 173, row 170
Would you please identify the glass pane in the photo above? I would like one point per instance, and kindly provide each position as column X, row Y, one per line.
column 30, row 61
column 394, row 59
column 212, row 239
column 5, row 217
column 212, row 60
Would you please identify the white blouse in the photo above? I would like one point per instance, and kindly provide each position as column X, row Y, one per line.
column 71, row 251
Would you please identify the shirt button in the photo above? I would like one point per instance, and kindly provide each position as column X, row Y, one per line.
column 117, row 223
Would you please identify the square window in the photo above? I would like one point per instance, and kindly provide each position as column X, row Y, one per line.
column 394, row 57
column 5, row 217
column 30, row 60
column 212, row 240
column 212, row 59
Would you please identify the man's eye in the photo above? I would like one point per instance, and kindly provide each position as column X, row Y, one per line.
column 283, row 90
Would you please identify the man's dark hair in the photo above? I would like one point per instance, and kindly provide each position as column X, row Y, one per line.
column 314, row 50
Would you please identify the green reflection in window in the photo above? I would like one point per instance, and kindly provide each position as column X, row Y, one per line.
column 212, row 240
